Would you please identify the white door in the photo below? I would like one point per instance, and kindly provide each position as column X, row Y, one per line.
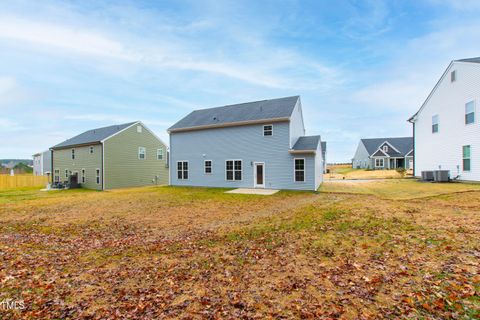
column 410, row 164
column 259, row 175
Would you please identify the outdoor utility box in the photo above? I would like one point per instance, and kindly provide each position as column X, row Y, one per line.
column 427, row 175
column 441, row 175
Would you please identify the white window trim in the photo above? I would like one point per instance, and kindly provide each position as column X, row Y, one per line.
column 234, row 180
column 385, row 148
column 304, row 170
column 205, row 167
column 144, row 155
column 55, row 175
column 66, row 173
column 383, row 162
column 160, row 153
column 139, row 128
column 474, row 112
column 83, row 178
column 469, row 158
column 438, row 123
column 188, row 170
column 263, row 132
column 98, row 176
column 92, row 150
column 72, row 154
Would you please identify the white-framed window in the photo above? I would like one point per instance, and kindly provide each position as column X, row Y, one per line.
column 385, row 148
column 299, row 169
column 207, row 164
column 453, row 76
column 379, row 162
column 92, row 150
column 160, row 154
column 66, row 174
column 56, row 175
column 466, row 158
column 182, row 170
column 268, row 130
column 233, row 170
column 470, row 112
column 142, row 153
column 97, row 176
column 83, row 178
column 435, row 123
column 139, row 129
column 73, row 154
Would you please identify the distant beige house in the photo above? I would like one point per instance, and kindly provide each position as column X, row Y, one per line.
column 125, row 155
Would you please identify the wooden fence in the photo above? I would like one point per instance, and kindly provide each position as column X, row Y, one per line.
column 22, row 180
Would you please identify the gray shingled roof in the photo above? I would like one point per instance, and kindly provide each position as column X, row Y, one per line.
column 474, row 60
column 403, row 144
column 307, row 143
column 93, row 136
column 250, row 111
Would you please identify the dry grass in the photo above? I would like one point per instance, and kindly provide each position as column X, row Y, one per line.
column 352, row 252
column 340, row 172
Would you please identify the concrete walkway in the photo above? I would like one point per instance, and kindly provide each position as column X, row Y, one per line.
column 263, row 192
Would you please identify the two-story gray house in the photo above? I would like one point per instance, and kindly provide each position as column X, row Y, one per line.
column 259, row 144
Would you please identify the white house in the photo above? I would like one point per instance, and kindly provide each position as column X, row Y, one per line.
column 42, row 163
column 446, row 128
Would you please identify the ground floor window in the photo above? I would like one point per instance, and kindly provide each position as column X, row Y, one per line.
column 299, row 170
column 66, row 174
column 97, row 176
column 466, row 158
column 56, row 175
column 233, row 170
column 182, row 170
column 379, row 163
column 83, row 179
column 208, row 166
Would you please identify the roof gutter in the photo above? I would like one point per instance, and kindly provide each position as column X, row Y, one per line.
column 76, row 145
column 229, row 124
column 301, row 151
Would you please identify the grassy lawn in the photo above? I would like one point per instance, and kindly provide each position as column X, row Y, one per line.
column 347, row 172
column 352, row 251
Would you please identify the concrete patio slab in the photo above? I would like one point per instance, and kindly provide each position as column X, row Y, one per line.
column 263, row 192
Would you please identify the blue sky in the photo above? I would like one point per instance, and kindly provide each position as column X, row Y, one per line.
column 361, row 67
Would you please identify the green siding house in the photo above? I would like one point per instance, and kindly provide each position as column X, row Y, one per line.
column 126, row 155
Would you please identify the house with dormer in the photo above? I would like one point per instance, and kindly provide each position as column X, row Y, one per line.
column 384, row 153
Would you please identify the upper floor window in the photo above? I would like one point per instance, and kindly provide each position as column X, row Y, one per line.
column 466, row 158
column 435, row 123
column 233, row 170
column 385, row 148
column 208, row 166
column 73, row 154
column 91, row 150
column 139, row 129
column 470, row 112
column 142, row 153
column 159, row 154
column 268, row 130
column 453, row 76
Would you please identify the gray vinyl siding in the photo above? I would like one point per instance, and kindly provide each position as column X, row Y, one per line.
column 245, row 143
column 62, row 160
column 361, row 159
column 296, row 124
column 123, row 168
